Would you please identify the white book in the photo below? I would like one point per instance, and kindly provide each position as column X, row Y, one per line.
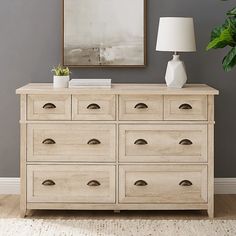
column 90, row 82
column 90, row 86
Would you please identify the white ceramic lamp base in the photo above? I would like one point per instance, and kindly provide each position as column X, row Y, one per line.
column 176, row 76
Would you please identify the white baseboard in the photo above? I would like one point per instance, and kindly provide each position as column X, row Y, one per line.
column 9, row 185
column 225, row 185
column 222, row 185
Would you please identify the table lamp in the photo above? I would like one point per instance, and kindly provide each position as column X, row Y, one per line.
column 176, row 34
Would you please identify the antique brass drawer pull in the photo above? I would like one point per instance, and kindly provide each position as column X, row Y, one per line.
column 141, row 142
column 93, row 183
column 49, row 106
column 141, row 106
column 48, row 182
column 185, row 183
column 94, row 142
column 140, row 183
column 185, row 106
column 93, row 106
column 186, row 142
column 48, row 141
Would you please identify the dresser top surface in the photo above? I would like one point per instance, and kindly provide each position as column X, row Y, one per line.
column 158, row 89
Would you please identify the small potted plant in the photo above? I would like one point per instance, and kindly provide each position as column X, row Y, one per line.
column 61, row 76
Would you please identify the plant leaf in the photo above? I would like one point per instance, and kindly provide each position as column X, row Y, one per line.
column 215, row 33
column 229, row 60
column 223, row 40
column 232, row 12
column 61, row 71
column 232, row 27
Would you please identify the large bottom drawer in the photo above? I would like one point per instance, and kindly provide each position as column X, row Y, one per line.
column 71, row 183
column 163, row 184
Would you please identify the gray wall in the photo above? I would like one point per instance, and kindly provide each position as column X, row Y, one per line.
column 30, row 44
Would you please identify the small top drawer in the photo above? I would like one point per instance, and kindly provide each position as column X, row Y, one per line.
column 140, row 107
column 49, row 107
column 93, row 107
column 185, row 107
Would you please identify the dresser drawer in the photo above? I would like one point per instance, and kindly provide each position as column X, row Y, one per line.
column 71, row 142
column 49, row 107
column 163, row 143
column 163, row 184
column 71, row 183
column 185, row 107
column 93, row 107
column 140, row 107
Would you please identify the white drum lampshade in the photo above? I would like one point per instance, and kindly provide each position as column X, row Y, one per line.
column 176, row 34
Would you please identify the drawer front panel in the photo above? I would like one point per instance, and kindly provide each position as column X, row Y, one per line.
column 163, row 143
column 49, row 107
column 185, row 107
column 93, row 107
column 71, row 183
column 140, row 107
column 71, row 142
column 163, row 184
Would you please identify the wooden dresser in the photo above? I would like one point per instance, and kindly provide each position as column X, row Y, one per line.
column 131, row 147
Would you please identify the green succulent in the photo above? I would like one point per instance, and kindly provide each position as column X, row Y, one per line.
column 61, row 71
column 223, row 36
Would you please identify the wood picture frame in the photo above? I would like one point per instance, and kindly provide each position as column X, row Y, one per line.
column 82, row 58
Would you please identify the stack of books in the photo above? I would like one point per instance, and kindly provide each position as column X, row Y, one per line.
column 90, row 83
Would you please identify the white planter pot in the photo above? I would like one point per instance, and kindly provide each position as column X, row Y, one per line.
column 61, row 81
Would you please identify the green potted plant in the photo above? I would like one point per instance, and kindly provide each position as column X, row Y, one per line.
column 225, row 36
column 61, row 76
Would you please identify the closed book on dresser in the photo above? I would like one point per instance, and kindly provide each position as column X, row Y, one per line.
column 131, row 147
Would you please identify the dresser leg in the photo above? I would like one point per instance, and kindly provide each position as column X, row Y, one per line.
column 23, row 212
column 210, row 212
column 116, row 211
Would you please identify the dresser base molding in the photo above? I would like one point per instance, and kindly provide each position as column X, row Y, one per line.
column 113, row 207
column 141, row 145
column 76, row 206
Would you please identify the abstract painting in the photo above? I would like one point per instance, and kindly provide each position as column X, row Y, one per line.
column 104, row 33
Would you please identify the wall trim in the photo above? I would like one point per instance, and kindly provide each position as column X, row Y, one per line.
column 225, row 185
column 9, row 185
column 222, row 185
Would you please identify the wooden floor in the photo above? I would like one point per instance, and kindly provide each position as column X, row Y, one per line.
column 225, row 208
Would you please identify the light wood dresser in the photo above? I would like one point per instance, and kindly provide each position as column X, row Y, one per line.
column 131, row 147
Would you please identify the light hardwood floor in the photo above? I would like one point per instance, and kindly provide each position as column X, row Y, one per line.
column 225, row 208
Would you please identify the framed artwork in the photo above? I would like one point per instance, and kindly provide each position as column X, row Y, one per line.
column 104, row 33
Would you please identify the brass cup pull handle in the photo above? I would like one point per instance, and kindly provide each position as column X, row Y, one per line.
column 49, row 106
column 93, row 106
column 186, row 142
column 49, row 141
column 141, row 142
column 140, row 183
column 141, row 106
column 93, row 142
column 48, row 182
column 93, row 183
column 185, row 183
column 185, row 106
